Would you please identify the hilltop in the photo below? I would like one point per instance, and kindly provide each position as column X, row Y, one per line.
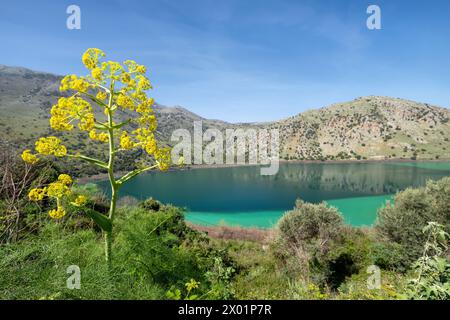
column 371, row 127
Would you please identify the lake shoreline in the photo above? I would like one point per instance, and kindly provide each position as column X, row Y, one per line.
column 255, row 234
column 242, row 197
column 104, row 176
column 261, row 235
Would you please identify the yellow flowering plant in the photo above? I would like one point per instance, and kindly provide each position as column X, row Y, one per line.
column 110, row 92
column 59, row 190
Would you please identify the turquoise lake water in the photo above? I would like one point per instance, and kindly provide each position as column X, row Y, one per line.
column 241, row 196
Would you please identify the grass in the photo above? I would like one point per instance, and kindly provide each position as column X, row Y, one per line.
column 39, row 268
column 148, row 259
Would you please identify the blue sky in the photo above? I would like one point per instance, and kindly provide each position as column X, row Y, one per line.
column 245, row 60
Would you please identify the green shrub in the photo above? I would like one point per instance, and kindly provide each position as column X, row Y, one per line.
column 150, row 245
column 310, row 223
column 150, row 204
column 389, row 256
column 432, row 269
column 220, row 277
column 349, row 254
column 16, row 179
column 305, row 236
column 403, row 222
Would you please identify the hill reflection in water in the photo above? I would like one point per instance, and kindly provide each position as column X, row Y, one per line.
column 240, row 189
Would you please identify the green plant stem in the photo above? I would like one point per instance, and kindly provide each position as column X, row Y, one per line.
column 108, row 243
column 114, row 184
column 88, row 159
column 130, row 175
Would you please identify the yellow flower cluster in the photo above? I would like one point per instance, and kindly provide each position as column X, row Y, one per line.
column 126, row 141
column 58, row 189
column 132, row 97
column 36, row 194
column 125, row 78
column 65, row 179
column 163, row 158
column 80, row 201
column 51, row 146
column 101, row 95
column 97, row 74
column 143, row 83
column 145, row 107
column 148, row 121
column 125, row 102
column 102, row 136
column 28, row 157
column 69, row 109
column 112, row 70
column 91, row 57
column 72, row 82
column 147, row 140
column 45, row 146
column 57, row 213
column 133, row 67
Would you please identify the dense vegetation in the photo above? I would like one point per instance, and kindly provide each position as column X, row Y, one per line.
column 311, row 254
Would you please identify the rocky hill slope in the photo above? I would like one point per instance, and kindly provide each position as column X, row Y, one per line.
column 368, row 127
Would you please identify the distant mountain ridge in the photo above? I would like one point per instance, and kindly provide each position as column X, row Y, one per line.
column 371, row 127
